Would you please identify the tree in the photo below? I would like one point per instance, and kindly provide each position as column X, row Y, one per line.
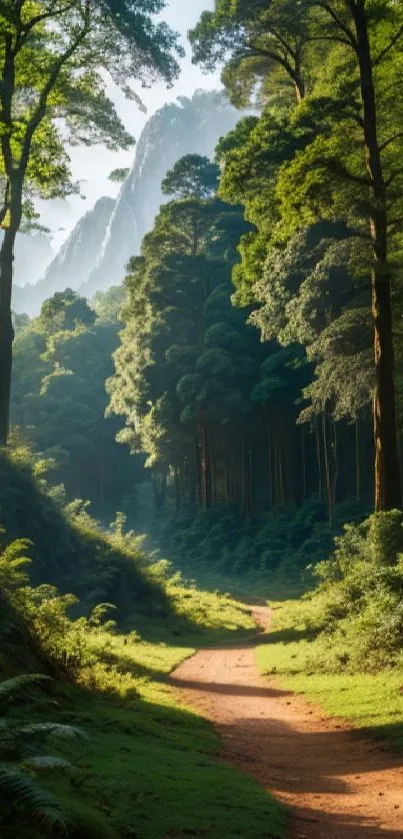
column 64, row 311
column 58, row 398
column 350, row 167
column 371, row 34
column 255, row 40
column 188, row 362
column 118, row 176
column 52, row 89
column 192, row 175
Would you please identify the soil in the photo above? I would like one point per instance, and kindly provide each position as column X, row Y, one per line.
column 338, row 783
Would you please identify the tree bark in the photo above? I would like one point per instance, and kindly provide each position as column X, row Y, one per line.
column 327, row 469
column 205, row 467
column 318, row 457
column 387, row 474
column 303, row 465
column 6, row 330
column 357, row 460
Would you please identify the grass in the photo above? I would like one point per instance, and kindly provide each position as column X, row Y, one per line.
column 294, row 653
column 149, row 768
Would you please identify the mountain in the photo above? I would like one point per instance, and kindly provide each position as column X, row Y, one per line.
column 33, row 252
column 182, row 127
column 74, row 262
column 95, row 255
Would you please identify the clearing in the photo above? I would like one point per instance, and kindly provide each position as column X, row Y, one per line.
column 338, row 783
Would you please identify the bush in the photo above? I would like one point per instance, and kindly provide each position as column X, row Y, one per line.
column 68, row 548
column 270, row 553
column 23, row 798
column 361, row 593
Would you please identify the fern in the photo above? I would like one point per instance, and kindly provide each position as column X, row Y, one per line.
column 10, row 689
column 51, row 729
column 19, row 791
column 22, row 797
column 46, row 762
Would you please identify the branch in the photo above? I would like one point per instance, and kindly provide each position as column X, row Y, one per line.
column 393, row 177
column 337, row 167
column 352, row 41
column 395, row 222
column 391, row 140
column 276, row 57
column 335, row 38
column 27, row 28
column 40, row 109
column 283, row 42
column 392, row 43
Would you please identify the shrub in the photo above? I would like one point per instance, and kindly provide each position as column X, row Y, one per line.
column 23, row 798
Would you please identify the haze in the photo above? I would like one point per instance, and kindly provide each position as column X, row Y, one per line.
column 91, row 166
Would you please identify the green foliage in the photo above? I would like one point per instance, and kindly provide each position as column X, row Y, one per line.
column 353, row 621
column 118, row 176
column 298, row 657
column 70, row 551
column 23, row 798
column 75, row 43
column 64, row 312
column 61, row 362
column 138, row 740
column 361, row 591
column 260, row 44
column 273, row 553
column 192, row 175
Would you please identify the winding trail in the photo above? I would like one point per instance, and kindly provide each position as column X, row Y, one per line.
column 338, row 784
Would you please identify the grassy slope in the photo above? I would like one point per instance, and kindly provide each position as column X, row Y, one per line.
column 371, row 701
column 149, row 767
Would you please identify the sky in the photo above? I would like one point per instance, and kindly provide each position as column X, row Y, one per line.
column 91, row 166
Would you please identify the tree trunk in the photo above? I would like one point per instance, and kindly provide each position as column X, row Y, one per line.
column 303, row 464
column 6, row 330
column 270, row 462
column 177, row 489
column 205, row 467
column 357, row 460
column 101, row 472
column 327, row 469
column 318, row 457
column 335, row 464
column 387, row 474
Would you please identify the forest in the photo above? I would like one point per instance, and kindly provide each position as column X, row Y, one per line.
column 201, row 421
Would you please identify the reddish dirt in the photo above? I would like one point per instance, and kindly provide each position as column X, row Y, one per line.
column 338, row 783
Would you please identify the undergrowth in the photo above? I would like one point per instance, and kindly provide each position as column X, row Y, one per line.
column 341, row 645
column 148, row 767
column 271, row 554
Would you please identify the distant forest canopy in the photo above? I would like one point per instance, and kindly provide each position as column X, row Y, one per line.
column 320, row 181
column 258, row 353
column 231, row 419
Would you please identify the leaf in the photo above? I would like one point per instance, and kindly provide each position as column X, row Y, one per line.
column 19, row 789
column 53, row 730
column 12, row 687
column 45, row 762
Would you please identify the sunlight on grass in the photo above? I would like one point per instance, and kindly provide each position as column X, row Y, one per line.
column 372, row 701
column 149, row 768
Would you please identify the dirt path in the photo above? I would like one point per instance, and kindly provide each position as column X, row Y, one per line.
column 338, row 784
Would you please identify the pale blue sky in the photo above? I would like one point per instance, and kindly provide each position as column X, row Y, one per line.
column 92, row 166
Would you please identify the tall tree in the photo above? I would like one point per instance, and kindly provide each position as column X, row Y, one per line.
column 350, row 167
column 52, row 57
column 192, row 175
column 253, row 39
column 372, row 35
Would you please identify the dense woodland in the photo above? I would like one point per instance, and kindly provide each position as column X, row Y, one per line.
column 237, row 397
column 256, row 339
